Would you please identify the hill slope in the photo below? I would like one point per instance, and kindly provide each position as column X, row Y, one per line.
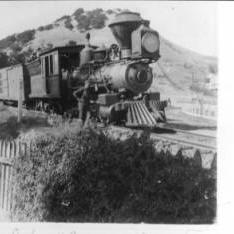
column 175, row 72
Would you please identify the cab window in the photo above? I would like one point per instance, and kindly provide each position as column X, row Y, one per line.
column 69, row 61
column 49, row 65
column 47, row 69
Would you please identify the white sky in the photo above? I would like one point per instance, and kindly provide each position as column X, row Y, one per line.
column 192, row 25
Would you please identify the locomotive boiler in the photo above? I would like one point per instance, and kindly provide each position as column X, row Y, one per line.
column 118, row 77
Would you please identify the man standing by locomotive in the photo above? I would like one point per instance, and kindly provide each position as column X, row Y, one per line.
column 83, row 97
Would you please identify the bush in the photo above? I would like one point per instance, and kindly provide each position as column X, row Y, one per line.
column 48, row 27
column 78, row 12
column 41, row 28
column 15, row 48
column 65, row 17
column 88, row 177
column 97, row 18
column 26, row 36
column 109, row 12
column 68, row 24
column 90, row 19
column 49, row 46
column 6, row 42
column 83, row 22
column 17, row 58
column 71, row 43
column 4, row 60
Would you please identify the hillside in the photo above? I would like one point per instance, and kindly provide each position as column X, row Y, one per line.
column 175, row 73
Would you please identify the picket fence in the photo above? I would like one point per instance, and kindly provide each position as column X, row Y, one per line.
column 8, row 151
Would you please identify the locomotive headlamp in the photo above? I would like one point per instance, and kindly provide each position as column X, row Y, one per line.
column 145, row 43
column 150, row 42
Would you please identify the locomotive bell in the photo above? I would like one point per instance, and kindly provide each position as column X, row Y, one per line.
column 122, row 27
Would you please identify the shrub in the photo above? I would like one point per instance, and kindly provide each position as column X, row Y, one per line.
column 26, row 36
column 41, row 28
column 48, row 27
column 15, row 48
column 17, row 58
column 15, row 42
column 28, row 52
column 97, row 18
column 65, row 17
column 109, row 11
column 71, row 43
column 49, row 46
column 6, row 42
column 68, row 24
column 78, row 12
column 90, row 19
column 88, row 177
column 4, row 60
column 83, row 22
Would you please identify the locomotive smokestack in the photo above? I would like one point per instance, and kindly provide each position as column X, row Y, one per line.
column 122, row 26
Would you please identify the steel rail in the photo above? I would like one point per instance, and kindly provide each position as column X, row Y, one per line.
column 175, row 138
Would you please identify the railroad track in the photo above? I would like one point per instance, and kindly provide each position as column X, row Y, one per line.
column 191, row 145
column 202, row 141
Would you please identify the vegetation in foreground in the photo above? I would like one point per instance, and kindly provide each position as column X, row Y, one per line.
column 89, row 177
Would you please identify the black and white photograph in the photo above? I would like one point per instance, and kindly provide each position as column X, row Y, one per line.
column 108, row 112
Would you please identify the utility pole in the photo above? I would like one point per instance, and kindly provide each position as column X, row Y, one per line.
column 20, row 87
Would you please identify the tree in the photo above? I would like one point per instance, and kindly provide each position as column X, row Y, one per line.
column 65, row 17
column 26, row 36
column 15, row 48
column 78, row 12
column 92, row 19
column 68, row 24
column 49, row 46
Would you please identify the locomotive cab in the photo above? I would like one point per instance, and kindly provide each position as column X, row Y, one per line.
column 49, row 74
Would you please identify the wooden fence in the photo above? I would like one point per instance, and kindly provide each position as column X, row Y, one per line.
column 8, row 151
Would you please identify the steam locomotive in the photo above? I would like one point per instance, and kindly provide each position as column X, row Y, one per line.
column 119, row 77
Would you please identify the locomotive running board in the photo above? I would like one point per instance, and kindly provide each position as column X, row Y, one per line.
column 138, row 115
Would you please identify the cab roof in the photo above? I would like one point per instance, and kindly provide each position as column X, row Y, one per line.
column 64, row 49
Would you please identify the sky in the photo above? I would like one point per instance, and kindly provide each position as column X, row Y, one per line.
column 192, row 25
